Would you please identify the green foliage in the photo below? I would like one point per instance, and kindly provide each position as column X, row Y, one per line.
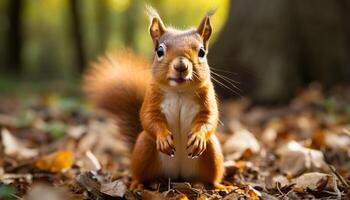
column 7, row 192
column 329, row 104
column 56, row 129
column 48, row 49
column 25, row 118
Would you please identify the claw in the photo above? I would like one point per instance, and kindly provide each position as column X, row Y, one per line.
column 165, row 144
column 222, row 188
column 136, row 185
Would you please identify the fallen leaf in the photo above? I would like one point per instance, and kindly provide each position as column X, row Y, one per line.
column 39, row 192
column 234, row 195
column 180, row 197
column 88, row 181
column 149, row 195
column 296, row 159
column 115, row 189
column 13, row 147
column 185, row 188
column 276, row 182
column 11, row 178
column 338, row 141
column 202, row 197
column 76, row 132
column 252, row 193
column 57, row 162
column 313, row 181
column 240, row 143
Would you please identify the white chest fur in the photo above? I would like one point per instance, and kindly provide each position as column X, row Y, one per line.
column 179, row 110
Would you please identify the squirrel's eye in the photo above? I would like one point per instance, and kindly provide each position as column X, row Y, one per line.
column 201, row 52
column 160, row 51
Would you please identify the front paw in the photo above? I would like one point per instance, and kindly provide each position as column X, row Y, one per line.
column 197, row 144
column 165, row 143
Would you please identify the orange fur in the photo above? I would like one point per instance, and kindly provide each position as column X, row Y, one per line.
column 173, row 116
column 117, row 83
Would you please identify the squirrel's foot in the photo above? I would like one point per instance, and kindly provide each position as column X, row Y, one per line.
column 218, row 187
column 136, row 185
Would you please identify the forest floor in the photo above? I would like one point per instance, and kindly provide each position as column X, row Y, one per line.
column 55, row 147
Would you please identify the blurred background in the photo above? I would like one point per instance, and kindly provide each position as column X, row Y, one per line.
column 280, row 67
column 271, row 50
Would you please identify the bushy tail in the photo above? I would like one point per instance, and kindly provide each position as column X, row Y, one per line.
column 117, row 84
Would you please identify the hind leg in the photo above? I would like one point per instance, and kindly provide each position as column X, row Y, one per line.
column 211, row 164
column 144, row 161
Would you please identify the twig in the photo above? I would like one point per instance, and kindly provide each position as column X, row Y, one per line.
column 278, row 188
column 169, row 181
column 340, row 178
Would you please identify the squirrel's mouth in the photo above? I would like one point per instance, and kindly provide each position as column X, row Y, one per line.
column 179, row 80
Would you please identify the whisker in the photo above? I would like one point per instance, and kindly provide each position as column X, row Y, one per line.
column 225, row 77
column 228, row 81
column 195, row 74
column 222, row 84
column 231, row 82
column 221, row 70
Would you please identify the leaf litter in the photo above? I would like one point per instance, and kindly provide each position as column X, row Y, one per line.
column 54, row 147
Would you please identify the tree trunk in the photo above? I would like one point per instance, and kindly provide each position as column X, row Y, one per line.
column 277, row 47
column 130, row 24
column 77, row 35
column 103, row 23
column 14, row 37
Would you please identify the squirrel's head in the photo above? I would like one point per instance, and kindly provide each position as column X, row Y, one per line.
column 180, row 56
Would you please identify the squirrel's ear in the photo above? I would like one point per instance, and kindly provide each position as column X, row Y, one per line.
column 204, row 29
column 157, row 28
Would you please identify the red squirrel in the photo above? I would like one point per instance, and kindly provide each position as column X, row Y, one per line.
column 171, row 107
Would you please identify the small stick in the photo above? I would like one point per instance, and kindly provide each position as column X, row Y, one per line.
column 341, row 179
column 169, row 182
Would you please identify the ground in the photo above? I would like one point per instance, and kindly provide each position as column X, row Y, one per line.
column 58, row 147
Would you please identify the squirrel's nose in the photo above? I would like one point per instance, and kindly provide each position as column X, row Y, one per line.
column 180, row 67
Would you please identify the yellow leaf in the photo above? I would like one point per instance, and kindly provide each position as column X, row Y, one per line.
column 56, row 162
column 202, row 198
column 181, row 197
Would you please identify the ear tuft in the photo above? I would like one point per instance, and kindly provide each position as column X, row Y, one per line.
column 204, row 29
column 151, row 12
column 157, row 28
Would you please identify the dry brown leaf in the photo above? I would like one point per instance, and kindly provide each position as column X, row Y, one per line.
column 150, row 195
column 115, row 189
column 234, row 195
column 338, row 141
column 296, row 159
column 76, row 132
column 313, row 181
column 89, row 162
column 56, row 162
column 15, row 148
column 252, row 193
column 39, row 192
column 11, row 178
column 181, row 197
column 240, row 143
column 88, row 182
column 275, row 182
column 102, row 137
column 202, row 197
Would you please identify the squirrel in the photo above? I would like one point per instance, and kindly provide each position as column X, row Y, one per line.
column 168, row 111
